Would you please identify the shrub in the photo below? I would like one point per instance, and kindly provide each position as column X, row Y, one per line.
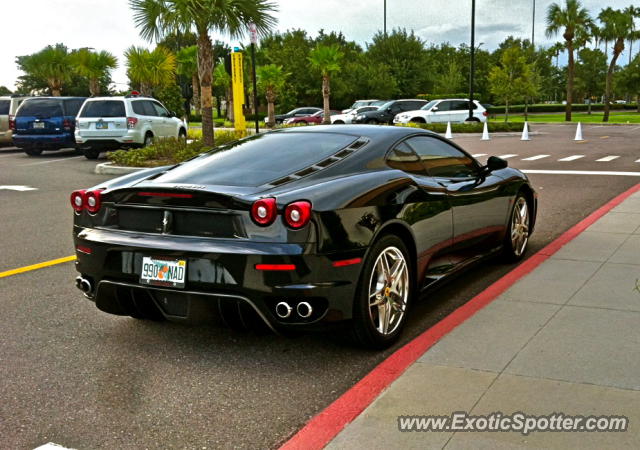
column 430, row 97
column 474, row 127
column 557, row 107
column 170, row 151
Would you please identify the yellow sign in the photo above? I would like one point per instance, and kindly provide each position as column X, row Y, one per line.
column 237, row 82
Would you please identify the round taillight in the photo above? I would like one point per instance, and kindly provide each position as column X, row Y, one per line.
column 264, row 211
column 93, row 200
column 297, row 214
column 78, row 200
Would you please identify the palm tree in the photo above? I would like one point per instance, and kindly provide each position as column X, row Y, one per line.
column 150, row 69
column 326, row 59
column 187, row 59
column 158, row 18
column 574, row 20
column 271, row 80
column 635, row 34
column 617, row 26
column 51, row 64
column 93, row 66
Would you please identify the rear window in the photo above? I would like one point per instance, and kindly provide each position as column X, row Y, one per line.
column 40, row 108
column 4, row 106
column 104, row 108
column 258, row 159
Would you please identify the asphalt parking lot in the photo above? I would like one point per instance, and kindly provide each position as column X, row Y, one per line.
column 83, row 379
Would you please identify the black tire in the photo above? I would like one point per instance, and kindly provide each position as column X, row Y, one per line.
column 182, row 134
column 372, row 122
column 473, row 119
column 148, row 140
column 33, row 151
column 364, row 330
column 418, row 120
column 512, row 251
column 338, row 122
column 91, row 153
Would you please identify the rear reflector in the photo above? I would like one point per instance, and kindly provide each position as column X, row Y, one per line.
column 85, row 250
column 347, row 262
column 275, row 267
column 165, row 194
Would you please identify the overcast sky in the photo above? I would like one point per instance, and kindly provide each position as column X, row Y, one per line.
column 29, row 25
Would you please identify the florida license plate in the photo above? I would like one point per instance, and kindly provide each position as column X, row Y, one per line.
column 163, row 272
column 102, row 126
column 38, row 125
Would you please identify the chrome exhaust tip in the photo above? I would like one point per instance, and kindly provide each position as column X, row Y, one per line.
column 283, row 310
column 83, row 284
column 304, row 310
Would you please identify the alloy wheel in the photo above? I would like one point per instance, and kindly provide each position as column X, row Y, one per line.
column 520, row 226
column 388, row 291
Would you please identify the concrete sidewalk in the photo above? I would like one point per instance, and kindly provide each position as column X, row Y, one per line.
column 565, row 338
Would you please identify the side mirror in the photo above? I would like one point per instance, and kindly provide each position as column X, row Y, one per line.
column 495, row 163
column 434, row 109
column 173, row 114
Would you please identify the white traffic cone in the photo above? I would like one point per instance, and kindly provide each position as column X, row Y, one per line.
column 448, row 134
column 485, row 133
column 579, row 133
column 525, row 133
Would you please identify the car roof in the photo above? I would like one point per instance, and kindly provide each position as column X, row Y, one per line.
column 374, row 132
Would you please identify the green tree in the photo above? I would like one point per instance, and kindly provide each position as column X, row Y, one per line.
column 5, row 90
column 591, row 72
column 574, row 22
column 326, row 59
column 513, row 79
column 271, row 80
column 222, row 88
column 451, row 80
column 630, row 79
column 93, row 66
column 158, row 18
column 617, row 27
column 50, row 66
column 150, row 69
column 187, row 60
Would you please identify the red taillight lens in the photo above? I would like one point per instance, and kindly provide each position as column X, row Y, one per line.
column 131, row 122
column 264, row 211
column 12, row 123
column 68, row 124
column 93, row 201
column 78, row 200
column 275, row 267
column 485, row 113
column 297, row 214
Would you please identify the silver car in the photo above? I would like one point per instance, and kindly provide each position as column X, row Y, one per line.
column 110, row 123
column 8, row 107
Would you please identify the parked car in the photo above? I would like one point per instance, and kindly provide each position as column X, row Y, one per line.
column 46, row 123
column 359, row 104
column 109, row 123
column 315, row 118
column 386, row 112
column 8, row 107
column 298, row 112
column 348, row 117
column 446, row 110
column 347, row 225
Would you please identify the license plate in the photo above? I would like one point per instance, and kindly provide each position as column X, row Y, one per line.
column 38, row 125
column 163, row 272
column 102, row 126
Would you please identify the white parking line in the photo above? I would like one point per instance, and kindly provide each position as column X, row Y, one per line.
column 533, row 158
column 508, row 155
column 51, row 161
column 571, row 158
column 637, row 160
column 478, row 155
column 583, row 172
column 607, row 158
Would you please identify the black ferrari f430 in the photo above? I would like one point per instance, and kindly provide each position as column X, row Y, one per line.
column 299, row 228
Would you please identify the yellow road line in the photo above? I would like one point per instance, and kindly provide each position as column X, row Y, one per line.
column 41, row 265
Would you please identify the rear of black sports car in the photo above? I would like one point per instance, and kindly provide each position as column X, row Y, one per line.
column 173, row 245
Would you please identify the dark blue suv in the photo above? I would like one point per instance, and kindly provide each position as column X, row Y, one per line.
column 46, row 123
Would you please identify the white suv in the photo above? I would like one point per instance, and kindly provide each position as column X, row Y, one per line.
column 8, row 107
column 109, row 123
column 445, row 110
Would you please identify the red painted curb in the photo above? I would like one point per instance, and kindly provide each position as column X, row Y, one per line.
column 322, row 428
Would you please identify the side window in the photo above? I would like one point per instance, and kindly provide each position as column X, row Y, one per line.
column 138, row 108
column 72, row 107
column 442, row 159
column 403, row 158
column 148, row 108
column 160, row 110
column 4, row 106
column 416, row 105
column 444, row 106
column 459, row 106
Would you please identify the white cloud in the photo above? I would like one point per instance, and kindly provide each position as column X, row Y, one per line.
column 30, row 25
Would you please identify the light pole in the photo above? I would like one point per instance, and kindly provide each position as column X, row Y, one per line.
column 473, row 57
column 385, row 17
column 533, row 25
